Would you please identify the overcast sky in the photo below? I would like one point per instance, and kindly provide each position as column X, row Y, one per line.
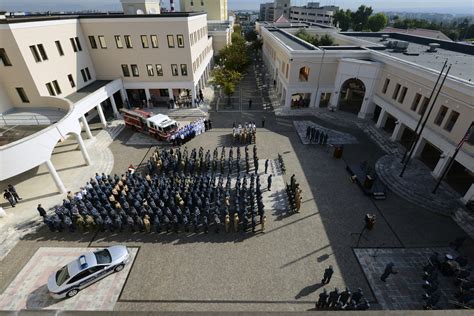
column 448, row 6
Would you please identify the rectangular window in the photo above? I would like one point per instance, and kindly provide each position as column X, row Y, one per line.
column 441, row 114
column 71, row 80
column 73, row 44
column 415, row 102
column 144, row 39
column 118, row 41
column 159, row 70
column 135, row 71
column 42, row 52
column 50, row 89
column 102, row 42
column 128, row 41
column 403, row 95
column 453, row 117
column 396, row 91
column 174, row 70
column 56, row 87
column 184, row 69
column 59, row 47
column 35, row 53
column 4, row 57
column 93, row 42
column 149, row 70
column 83, row 73
column 78, row 44
column 88, row 74
column 22, row 94
column 170, row 41
column 424, row 106
column 154, row 41
column 125, row 71
column 180, row 39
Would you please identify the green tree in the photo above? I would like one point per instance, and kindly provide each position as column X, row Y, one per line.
column 226, row 79
column 360, row 18
column 326, row 40
column 251, row 35
column 377, row 22
column 343, row 19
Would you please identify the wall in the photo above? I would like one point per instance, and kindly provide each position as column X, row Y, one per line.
column 5, row 102
column 215, row 9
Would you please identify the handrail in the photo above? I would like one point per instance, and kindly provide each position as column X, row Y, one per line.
column 9, row 118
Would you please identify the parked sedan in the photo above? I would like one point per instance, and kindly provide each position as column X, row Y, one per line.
column 86, row 270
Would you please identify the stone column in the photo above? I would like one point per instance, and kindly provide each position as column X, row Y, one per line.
column 148, row 96
column 114, row 106
column 382, row 118
column 397, row 132
column 57, row 180
column 288, row 100
column 84, row 152
column 101, row 115
column 85, row 124
column 193, row 95
column 441, row 165
column 419, row 148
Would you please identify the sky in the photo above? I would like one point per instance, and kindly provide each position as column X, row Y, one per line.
column 438, row 6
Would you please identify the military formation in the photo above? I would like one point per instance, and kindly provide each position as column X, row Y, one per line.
column 191, row 130
column 345, row 300
column 244, row 134
column 293, row 193
column 182, row 191
column 316, row 136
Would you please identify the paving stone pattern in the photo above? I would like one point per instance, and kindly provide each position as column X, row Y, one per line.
column 29, row 291
column 334, row 137
column 403, row 291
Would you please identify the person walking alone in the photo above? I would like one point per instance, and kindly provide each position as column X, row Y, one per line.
column 327, row 275
column 269, row 182
column 388, row 270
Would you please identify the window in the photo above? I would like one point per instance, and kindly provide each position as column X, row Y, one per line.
column 154, row 41
column 71, row 80
column 385, row 86
column 395, row 92
column 78, row 44
column 164, row 93
column 62, row 275
column 125, row 71
column 180, row 39
column 144, row 39
column 159, row 70
column 4, row 57
column 403, row 95
column 149, row 70
column 184, row 69
column 35, row 53
column 453, row 117
column 83, row 73
column 192, row 3
column 118, row 41
column 441, row 114
column 59, row 47
column 174, row 69
column 22, row 94
column 88, row 73
column 103, row 256
column 128, row 41
column 81, row 275
column 93, row 42
column 304, row 73
column 286, row 71
column 415, row 102
column 135, row 71
column 424, row 106
column 102, row 42
column 42, row 52
column 170, row 41
column 56, row 87
column 50, row 89
column 73, row 44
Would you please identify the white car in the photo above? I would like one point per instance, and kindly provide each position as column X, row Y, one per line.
column 87, row 269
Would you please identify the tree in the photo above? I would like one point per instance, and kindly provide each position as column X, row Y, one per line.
column 227, row 79
column 377, row 22
column 251, row 35
column 325, row 40
column 361, row 17
column 343, row 19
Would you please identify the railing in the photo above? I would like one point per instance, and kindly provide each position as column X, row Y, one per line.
column 18, row 119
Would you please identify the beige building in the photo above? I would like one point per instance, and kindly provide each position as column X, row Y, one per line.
column 216, row 9
column 366, row 76
column 141, row 6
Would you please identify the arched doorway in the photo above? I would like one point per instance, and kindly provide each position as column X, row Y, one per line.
column 351, row 95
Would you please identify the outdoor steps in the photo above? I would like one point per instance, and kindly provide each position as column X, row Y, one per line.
column 391, row 179
column 382, row 140
column 465, row 221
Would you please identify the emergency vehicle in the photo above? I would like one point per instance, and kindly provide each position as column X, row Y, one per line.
column 159, row 126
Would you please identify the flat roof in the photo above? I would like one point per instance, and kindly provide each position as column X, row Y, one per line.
column 462, row 63
column 291, row 41
column 85, row 91
column 36, row 18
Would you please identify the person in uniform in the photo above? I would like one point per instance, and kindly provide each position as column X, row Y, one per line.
column 263, row 220
column 269, row 182
column 236, row 222
column 227, row 222
column 333, row 297
column 323, row 298
column 327, row 275
column 388, row 270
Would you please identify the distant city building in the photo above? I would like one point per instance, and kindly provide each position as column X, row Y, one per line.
column 272, row 11
column 141, row 6
column 216, row 9
column 419, row 32
column 313, row 14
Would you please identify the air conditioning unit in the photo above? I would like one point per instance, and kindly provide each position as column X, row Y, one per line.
column 433, row 47
column 385, row 37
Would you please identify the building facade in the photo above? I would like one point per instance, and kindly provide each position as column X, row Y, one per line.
column 216, row 9
column 313, row 14
column 272, row 11
column 364, row 77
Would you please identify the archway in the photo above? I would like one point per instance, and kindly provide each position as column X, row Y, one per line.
column 351, row 95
